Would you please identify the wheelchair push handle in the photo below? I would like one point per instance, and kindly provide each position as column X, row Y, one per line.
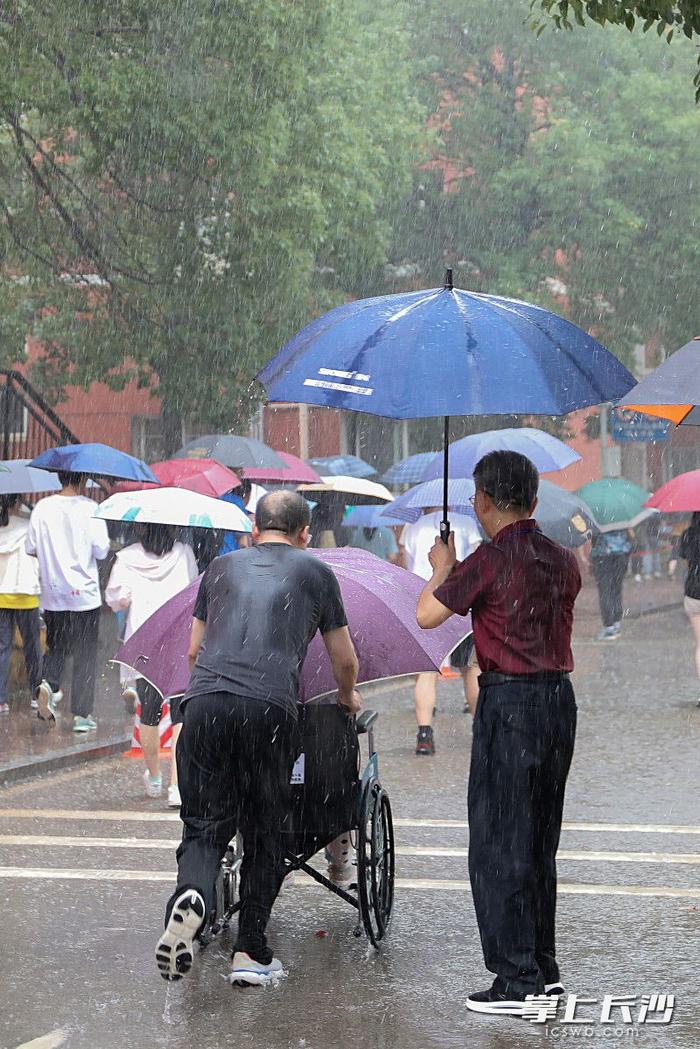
column 365, row 720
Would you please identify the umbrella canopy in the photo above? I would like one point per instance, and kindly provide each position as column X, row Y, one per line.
column 343, row 465
column 615, row 503
column 679, row 495
column 444, row 352
column 545, row 451
column 97, row 459
column 238, row 453
column 371, row 517
column 380, row 601
column 359, row 488
column 170, row 507
column 17, row 477
column 564, row 517
column 410, row 470
column 204, row 476
column 295, row 471
column 410, row 506
column 671, row 391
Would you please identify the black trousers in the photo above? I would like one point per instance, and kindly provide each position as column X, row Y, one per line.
column 234, row 763
column 609, row 572
column 73, row 634
column 521, row 752
column 27, row 622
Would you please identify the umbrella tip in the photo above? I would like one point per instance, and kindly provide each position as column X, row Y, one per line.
column 448, row 279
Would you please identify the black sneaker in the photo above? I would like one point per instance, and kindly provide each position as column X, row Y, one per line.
column 175, row 948
column 495, row 1004
column 425, row 742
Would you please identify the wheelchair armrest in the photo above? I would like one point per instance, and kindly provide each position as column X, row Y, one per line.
column 366, row 720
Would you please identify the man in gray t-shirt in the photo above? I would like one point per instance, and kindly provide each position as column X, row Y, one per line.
column 256, row 613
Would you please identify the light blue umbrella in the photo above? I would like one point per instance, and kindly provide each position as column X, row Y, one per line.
column 342, row 466
column 548, row 453
column 409, row 470
column 371, row 517
column 410, row 506
column 17, row 477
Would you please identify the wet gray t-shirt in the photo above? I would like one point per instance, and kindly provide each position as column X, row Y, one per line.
column 262, row 607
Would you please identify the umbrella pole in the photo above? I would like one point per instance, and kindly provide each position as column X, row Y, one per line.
column 445, row 524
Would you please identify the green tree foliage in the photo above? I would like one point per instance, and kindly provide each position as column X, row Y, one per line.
column 668, row 17
column 183, row 182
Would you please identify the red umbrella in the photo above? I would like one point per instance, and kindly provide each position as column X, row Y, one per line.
column 680, row 495
column 204, row 476
column 296, row 472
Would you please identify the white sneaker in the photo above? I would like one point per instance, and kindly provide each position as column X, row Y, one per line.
column 175, row 948
column 174, row 799
column 246, row 971
column 554, row 990
column 154, row 787
column 58, row 696
column 44, row 702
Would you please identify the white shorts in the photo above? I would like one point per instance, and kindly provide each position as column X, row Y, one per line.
column 691, row 606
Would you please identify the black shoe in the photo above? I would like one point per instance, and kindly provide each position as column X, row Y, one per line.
column 495, row 1004
column 554, row 990
column 425, row 742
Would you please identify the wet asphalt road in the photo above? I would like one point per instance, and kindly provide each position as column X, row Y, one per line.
column 86, row 865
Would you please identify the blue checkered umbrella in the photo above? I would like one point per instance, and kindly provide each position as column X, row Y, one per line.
column 342, row 466
column 410, row 470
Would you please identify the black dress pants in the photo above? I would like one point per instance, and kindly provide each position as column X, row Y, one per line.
column 234, row 763
column 521, row 752
column 73, row 634
column 609, row 572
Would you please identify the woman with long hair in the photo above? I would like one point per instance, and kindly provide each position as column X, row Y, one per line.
column 19, row 598
column 689, row 550
column 145, row 576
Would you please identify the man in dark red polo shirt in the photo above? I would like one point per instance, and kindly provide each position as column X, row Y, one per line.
column 520, row 589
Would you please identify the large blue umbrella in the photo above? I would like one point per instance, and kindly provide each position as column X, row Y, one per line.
column 342, row 466
column 445, row 352
column 97, row 459
column 409, row 470
column 545, row 451
column 410, row 505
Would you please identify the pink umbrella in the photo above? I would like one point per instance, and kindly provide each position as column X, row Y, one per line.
column 680, row 495
column 380, row 601
column 204, row 476
column 296, row 472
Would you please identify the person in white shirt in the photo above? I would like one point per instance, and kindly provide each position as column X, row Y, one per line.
column 19, row 598
column 417, row 541
column 144, row 577
column 68, row 541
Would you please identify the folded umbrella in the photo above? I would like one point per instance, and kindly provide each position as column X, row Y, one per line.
column 679, row 495
column 99, row 460
column 410, row 506
column 17, row 477
column 616, row 503
column 237, row 453
column 204, row 476
column 671, row 391
column 410, row 470
column 361, row 490
column 444, row 352
column 172, row 506
column 343, row 465
column 380, row 602
column 545, row 451
column 295, row 471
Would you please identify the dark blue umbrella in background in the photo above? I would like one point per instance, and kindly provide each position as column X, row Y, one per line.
column 444, row 352
column 97, row 459
column 342, row 466
column 409, row 470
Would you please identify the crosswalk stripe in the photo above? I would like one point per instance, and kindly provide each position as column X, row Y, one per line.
column 131, row 816
column 427, row 884
column 170, row 844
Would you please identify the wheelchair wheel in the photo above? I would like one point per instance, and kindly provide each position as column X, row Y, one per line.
column 375, row 863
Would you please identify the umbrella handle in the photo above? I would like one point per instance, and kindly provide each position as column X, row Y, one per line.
column 444, row 531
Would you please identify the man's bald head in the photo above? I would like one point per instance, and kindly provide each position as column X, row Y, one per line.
column 283, row 511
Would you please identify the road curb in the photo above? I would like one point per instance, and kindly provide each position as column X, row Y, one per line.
column 35, row 765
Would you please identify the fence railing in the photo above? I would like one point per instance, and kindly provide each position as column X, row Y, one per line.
column 28, row 423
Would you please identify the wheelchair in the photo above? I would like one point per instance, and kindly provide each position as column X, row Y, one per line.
column 330, row 795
